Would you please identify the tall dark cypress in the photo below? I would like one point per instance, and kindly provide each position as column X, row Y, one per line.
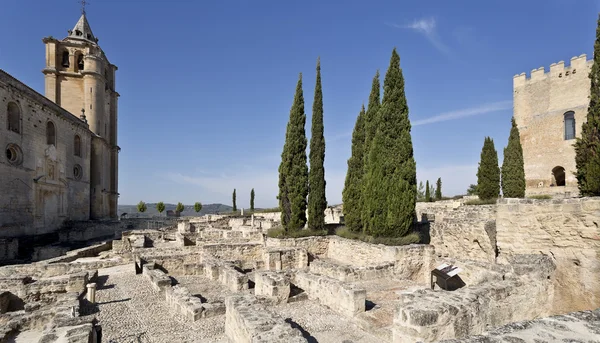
column 513, row 169
column 370, row 120
column 252, row 200
column 317, row 203
column 352, row 193
column 488, row 174
column 438, row 189
column 233, row 200
column 293, row 171
column 391, row 178
column 427, row 192
column 587, row 147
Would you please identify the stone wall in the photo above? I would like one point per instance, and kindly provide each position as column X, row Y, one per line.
column 540, row 103
column 181, row 301
column 285, row 258
column 342, row 297
column 350, row 273
column 247, row 253
column 272, row 285
column 37, row 207
column 249, row 321
column 429, row 316
column 315, row 246
column 158, row 279
column 566, row 230
column 466, row 232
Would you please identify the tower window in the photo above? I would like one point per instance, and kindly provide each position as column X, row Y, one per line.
column 77, row 172
column 569, row 125
column 77, row 145
column 14, row 118
column 65, row 59
column 50, row 133
column 80, row 62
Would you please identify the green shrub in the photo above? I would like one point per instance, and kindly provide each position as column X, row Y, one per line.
column 540, row 197
column 267, row 210
column 411, row 238
column 481, row 202
column 279, row 232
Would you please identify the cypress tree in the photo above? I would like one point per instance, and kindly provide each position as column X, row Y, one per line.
column 252, row 200
column 427, row 193
column 438, row 189
column 233, row 198
column 370, row 120
column 587, row 147
column 352, row 193
column 391, row 178
column 488, row 174
column 513, row 170
column 293, row 171
column 317, row 203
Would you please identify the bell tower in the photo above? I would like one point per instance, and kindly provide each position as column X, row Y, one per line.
column 80, row 78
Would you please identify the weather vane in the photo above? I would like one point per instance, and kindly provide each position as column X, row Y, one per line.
column 83, row 3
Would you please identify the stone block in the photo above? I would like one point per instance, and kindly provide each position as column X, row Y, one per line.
column 342, row 297
column 275, row 286
column 158, row 279
column 249, row 321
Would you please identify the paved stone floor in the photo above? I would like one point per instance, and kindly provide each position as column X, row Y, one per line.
column 130, row 311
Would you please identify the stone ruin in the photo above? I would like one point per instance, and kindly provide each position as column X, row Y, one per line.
column 529, row 274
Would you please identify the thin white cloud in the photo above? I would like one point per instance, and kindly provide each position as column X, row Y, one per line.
column 426, row 27
column 467, row 112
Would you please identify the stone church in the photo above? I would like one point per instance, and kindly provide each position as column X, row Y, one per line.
column 60, row 158
column 549, row 109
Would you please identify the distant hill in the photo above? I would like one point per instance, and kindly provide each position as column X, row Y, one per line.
column 132, row 211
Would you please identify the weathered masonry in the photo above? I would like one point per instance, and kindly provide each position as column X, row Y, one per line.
column 549, row 109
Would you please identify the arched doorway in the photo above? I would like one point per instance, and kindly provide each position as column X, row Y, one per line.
column 558, row 173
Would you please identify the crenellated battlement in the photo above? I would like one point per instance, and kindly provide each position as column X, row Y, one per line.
column 557, row 70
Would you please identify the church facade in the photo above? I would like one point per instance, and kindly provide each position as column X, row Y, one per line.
column 550, row 109
column 60, row 159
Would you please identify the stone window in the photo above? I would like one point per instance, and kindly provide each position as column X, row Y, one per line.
column 50, row 133
column 80, row 62
column 14, row 154
column 77, row 172
column 77, row 145
column 558, row 174
column 65, row 59
column 569, row 125
column 14, row 118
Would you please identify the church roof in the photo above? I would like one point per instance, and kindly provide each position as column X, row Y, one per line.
column 82, row 30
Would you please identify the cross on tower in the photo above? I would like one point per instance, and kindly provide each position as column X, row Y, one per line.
column 83, row 3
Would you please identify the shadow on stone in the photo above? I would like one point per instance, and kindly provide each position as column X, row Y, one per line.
column 309, row 338
column 101, row 282
column 369, row 305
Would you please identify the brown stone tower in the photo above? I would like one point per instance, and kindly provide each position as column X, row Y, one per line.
column 80, row 79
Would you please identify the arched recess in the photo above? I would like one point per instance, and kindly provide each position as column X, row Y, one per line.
column 77, row 145
column 558, row 173
column 13, row 118
column 50, row 133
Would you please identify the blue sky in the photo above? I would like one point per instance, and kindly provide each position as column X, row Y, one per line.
column 206, row 86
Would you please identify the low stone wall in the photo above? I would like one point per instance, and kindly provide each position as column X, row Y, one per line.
column 429, row 316
column 247, row 253
column 158, row 279
column 272, row 285
column 285, row 258
column 180, row 300
column 566, row 230
column 230, row 235
column 342, row 297
column 467, row 232
column 350, row 273
column 315, row 246
column 249, row 321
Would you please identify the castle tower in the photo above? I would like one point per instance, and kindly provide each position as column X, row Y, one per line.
column 550, row 109
column 79, row 78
